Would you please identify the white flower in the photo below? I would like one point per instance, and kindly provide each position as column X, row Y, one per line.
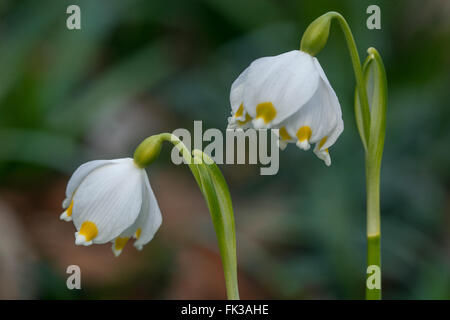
column 289, row 92
column 111, row 200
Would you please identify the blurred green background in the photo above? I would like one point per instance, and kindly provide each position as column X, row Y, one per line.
column 138, row 68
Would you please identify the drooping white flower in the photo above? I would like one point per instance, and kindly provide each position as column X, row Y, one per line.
column 111, row 200
column 289, row 92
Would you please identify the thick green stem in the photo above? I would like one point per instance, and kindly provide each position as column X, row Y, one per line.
column 373, row 288
column 373, row 227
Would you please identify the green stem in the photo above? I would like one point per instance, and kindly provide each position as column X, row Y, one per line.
column 370, row 125
column 356, row 63
column 375, row 75
column 215, row 190
column 185, row 153
column 373, row 224
column 363, row 116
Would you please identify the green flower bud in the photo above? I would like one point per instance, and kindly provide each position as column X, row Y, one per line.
column 316, row 35
column 148, row 150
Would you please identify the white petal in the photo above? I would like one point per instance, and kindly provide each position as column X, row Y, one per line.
column 64, row 216
column 304, row 145
column 287, row 80
column 237, row 91
column 150, row 218
column 322, row 154
column 110, row 197
column 81, row 240
column 334, row 101
column 322, row 113
column 78, row 176
column 282, row 144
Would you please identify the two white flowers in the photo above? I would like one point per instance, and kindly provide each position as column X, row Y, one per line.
column 112, row 200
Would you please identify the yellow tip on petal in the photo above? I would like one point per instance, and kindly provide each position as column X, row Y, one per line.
column 325, row 156
column 282, row 144
column 118, row 245
column 246, row 120
column 64, row 216
column 69, row 209
column 284, row 135
column 240, row 111
column 67, row 215
column 304, row 145
column 137, row 234
column 266, row 111
column 322, row 142
column 81, row 240
column 304, row 133
column 258, row 123
column 88, row 230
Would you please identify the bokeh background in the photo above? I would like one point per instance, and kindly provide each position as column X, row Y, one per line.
column 139, row 68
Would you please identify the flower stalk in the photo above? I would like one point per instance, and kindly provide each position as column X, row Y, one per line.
column 370, row 115
column 214, row 188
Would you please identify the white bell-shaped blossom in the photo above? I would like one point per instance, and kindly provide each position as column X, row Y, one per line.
column 289, row 92
column 111, row 200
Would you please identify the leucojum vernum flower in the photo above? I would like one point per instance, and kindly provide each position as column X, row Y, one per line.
column 290, row 92
column 112, row 201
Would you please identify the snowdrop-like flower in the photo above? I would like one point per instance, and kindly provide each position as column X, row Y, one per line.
column 289, row 92
column 111, row 200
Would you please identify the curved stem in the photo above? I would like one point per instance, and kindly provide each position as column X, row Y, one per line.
column 215, row 190
column 185, row 153
column 356, row 63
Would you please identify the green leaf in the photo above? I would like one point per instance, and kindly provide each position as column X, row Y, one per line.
column 376, row 87
column 215, row 190
column 217, row 195
column 376, row 84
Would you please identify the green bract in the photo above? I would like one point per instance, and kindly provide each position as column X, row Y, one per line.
column 316, row 35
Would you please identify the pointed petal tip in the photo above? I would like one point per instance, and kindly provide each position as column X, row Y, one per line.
column 259, row 123
column 65, row 203
column 115, row 251
column 282, row 145
column 304, row 145
column 81, row 240
column 325, row 156
column 65, row 217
